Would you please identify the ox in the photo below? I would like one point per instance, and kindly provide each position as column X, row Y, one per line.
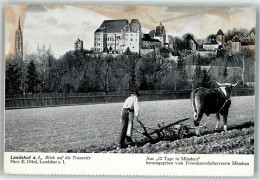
column 211, row 101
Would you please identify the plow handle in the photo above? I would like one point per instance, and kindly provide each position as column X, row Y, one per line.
column 145, row 131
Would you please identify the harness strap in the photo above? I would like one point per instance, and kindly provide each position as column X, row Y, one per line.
column 223, row 105
column 224, row 102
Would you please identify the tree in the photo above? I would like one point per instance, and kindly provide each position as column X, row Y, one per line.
column 252, row 30
column 188, row 36
column 178, row 44
column 211, row 37
column 198, row 76
column 106, row 73
column 206, row 81
column 32, row 78
column 18, row 60
column 128, row 66
column 150, row 70
column 182, row 76
column 246, row 60
column 13, row 77
column 224, row 74
column 188, row 39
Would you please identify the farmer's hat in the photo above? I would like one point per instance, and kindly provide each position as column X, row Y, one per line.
column 135, row 92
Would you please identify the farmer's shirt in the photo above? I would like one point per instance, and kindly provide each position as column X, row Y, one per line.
column 132, row 103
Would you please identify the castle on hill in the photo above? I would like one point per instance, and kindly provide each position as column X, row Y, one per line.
column 116, row 36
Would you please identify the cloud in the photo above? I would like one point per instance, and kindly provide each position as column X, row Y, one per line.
column 52, row 21
column 85, row 23
column 60, row 27
column 36, row 9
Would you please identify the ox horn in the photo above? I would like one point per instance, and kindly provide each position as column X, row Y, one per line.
column 234, row 84
column 220, row 83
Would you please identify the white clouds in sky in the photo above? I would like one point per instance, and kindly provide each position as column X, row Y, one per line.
column 60, row 27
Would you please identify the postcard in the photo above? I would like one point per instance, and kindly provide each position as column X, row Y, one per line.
column 130, row 90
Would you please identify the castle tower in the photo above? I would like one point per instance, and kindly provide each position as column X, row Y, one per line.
column 160, row 34
column 220, row 38
column 19, row 39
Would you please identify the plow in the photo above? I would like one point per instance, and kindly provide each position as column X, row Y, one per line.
column 174, row 130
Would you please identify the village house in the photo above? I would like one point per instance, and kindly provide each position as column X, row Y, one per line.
column 78, row 45
column 149, row 43
column 211, row 46
column 234, row 45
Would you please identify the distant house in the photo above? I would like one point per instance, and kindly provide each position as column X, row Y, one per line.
column 211, row 46
column 234, row 45
column 149, row 43
column 78, row 45
column 248, row 40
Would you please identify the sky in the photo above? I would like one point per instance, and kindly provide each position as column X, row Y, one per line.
column 60, row 26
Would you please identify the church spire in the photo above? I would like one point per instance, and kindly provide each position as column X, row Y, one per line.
column 19, row 25
column 19, row 39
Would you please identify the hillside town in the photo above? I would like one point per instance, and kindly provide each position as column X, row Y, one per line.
column 116, row 36
column 153, row 60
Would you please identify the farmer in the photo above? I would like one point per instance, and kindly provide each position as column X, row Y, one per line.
column 129, row 111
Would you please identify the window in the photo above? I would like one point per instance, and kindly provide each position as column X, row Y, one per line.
column 131, row 39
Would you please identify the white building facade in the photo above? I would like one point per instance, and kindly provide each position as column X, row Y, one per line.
column 115, row 36
column 100, row 40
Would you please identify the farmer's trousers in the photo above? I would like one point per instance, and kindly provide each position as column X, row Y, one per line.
column 127, row 126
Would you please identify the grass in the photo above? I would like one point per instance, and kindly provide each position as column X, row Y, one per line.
column 58, row 129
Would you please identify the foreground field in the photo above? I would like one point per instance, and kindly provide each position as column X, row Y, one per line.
column 59, row 129
column 236, row 141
